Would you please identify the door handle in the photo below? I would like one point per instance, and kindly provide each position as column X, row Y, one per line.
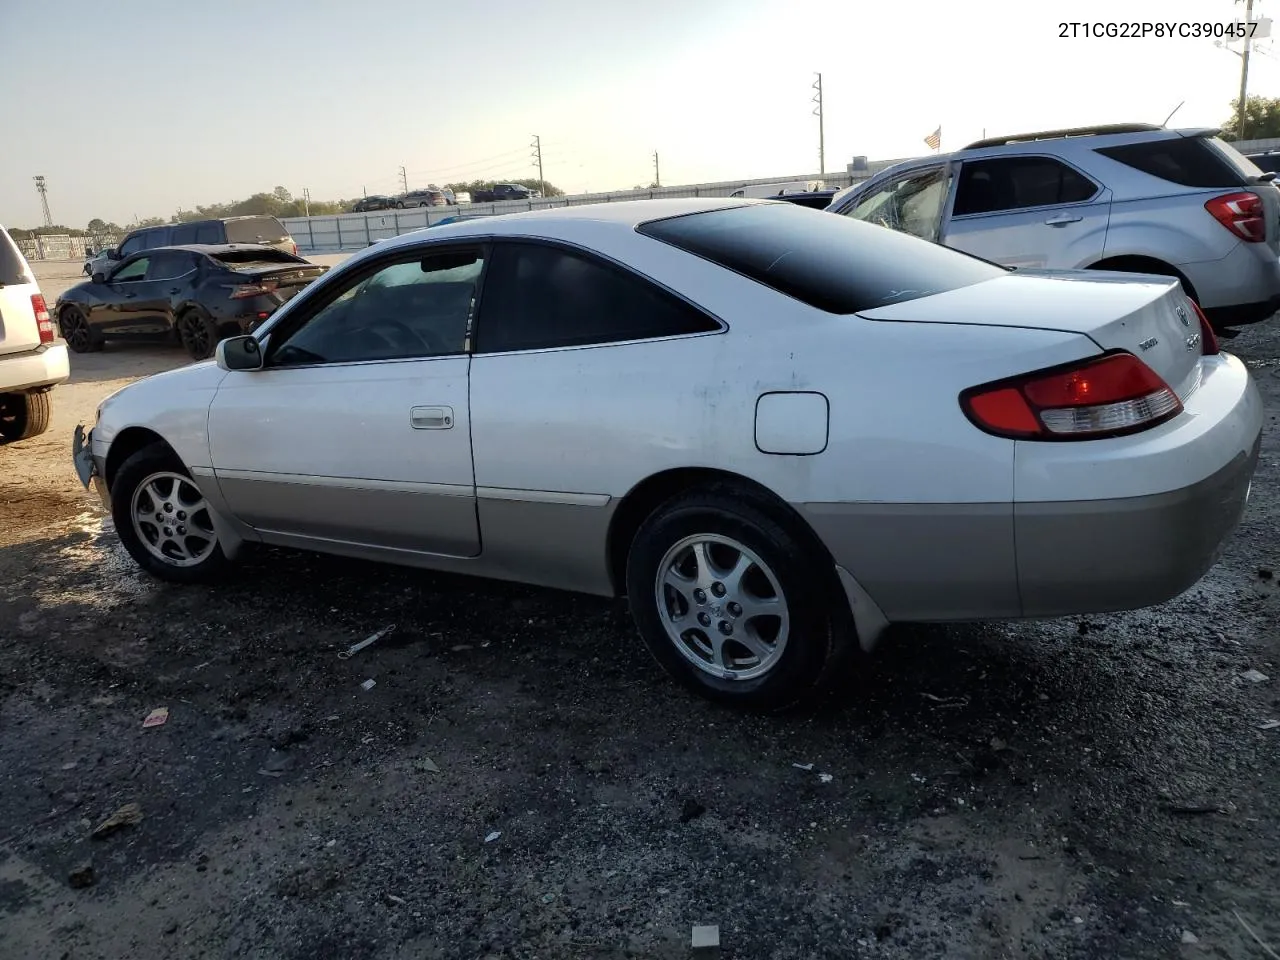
column 1062, row 219
column 431, row 418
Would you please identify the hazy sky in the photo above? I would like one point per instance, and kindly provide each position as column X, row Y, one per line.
column 138, row 107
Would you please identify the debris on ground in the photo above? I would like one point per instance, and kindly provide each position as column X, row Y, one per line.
column 997, row 744
column 803, row 766
column 1269, row 724
column 1257, row 939
column 369, row 684
column 1254, row 676
column 692, row 810
column 393, row 899
column 82, row 876
column 459, row 647
column 825, row 777
column 425, row 765
column 945, row 701
column 1265, row 573
column 130, row 815
column 156, row 717
column 548, row 898
column 373, row 638
column 706, row 942
column 493, row 836
column 1189, row 937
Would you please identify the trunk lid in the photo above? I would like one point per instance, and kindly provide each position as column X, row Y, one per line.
column 289, row 279
column 1148, row 316
column 19, row 331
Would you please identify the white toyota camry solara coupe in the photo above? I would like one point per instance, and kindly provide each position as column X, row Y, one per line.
column 775, row 430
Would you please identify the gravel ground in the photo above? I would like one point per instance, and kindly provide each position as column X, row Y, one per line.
column 522, row 781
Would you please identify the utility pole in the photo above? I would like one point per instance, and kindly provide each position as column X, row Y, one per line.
column 817, row 112
column 1244, row 66
column 306, row 201
column 404, row 178
column 43, row 190
column 657, row 179
column 365, row 191
column 536, row 147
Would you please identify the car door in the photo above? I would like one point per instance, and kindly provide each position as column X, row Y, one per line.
column 1028, row 211
column 119, row 309
column 356, row 431
column 912, row 202
column 168, row 279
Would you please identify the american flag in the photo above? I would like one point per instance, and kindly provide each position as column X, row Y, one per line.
column 934, row 140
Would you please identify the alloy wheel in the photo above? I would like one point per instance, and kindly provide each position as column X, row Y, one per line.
column 172, row 519
column 722, row 607
column 75, row 330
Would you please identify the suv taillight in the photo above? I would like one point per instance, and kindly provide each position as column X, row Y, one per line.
column 1106, row 396
column 295, row 249
column 43, row 322
column 1208, row 339
column 1241, row 213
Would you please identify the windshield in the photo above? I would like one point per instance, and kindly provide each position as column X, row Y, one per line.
column 831, row 262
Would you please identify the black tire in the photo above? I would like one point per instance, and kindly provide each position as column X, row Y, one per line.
column 23, row 415
column 820, row 634
column 198, row 333
column 140, row 468
column 75, row 329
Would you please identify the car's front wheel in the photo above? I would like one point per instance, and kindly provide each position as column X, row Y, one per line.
column 735, row 599
column 163, row 519
column 75, row 328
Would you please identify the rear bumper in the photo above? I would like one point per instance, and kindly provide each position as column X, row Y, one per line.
column 1243, row 313
column 1242, row 287
column 44, row 366
column 1163, row 504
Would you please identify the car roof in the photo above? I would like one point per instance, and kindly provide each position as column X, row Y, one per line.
column 627, row 214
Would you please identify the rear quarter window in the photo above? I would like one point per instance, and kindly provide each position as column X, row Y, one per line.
column 13, row 266
column 834, row 263
column 256, row 230
column 1188, row 161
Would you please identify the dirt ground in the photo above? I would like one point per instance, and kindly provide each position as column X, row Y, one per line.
column 523, row 782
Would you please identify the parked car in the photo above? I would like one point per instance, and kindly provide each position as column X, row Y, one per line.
column 267, row 231
column 1128, row 197
column 500, row 192
column 195, row 294
column 462, row 196
column 430, row 197
column 815, row 199
column 375, row 202
column 33, row 359
column 774, row 429
column 779, row 190
column 96, row 262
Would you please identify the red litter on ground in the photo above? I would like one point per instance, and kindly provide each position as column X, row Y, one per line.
column 156, row 717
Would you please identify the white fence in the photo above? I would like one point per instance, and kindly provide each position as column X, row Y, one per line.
column 60, row 246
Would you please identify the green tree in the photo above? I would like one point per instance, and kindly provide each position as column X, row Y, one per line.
column 97, row 226
column 281, row 194
column 1261, row 119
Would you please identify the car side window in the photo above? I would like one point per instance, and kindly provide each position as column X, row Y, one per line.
column 155, row 238
column 538, row 296
column 132, row 244
column 911, row 204
column 183, row 233
column 169, row 265
column 411, row 308
column 131, row 271
column 210, row 233
column 1014, row 183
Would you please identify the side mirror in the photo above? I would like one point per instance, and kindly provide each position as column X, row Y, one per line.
column 99, row 278
column 239, row 353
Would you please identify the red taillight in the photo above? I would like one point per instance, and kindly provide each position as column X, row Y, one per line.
column 1241, row 213
column 1208, row 339
column 243, row 290
column 1107, row 396
column 43, row 323
column 295, row 249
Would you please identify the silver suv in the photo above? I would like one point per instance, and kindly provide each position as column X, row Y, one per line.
column 1128, row 197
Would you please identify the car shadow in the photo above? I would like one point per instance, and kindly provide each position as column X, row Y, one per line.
column 119, row 360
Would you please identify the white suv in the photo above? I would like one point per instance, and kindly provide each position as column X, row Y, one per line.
column 33, row 359
column 1128, row 197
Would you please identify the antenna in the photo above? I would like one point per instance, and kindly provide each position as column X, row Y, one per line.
column 1171, row 113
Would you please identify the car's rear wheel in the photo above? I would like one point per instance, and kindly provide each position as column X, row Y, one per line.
column 198, row 333
column 75, row 328
column 735, row 600
column 23, row 415
column 163, row 519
